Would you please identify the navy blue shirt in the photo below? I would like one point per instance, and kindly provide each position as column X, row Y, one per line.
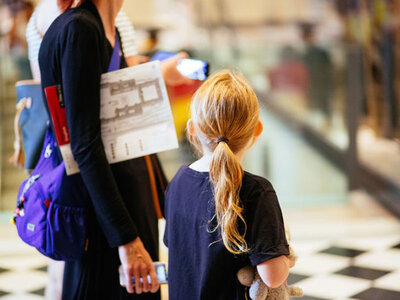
column 200, row 267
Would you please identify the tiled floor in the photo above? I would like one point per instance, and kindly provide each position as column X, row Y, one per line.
column 22, row 269
column 336, row 272
column 343, row 254
column 348, row 251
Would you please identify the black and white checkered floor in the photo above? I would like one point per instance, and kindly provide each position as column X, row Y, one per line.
column 23, row 277
column 346, row 252
column 365, row 268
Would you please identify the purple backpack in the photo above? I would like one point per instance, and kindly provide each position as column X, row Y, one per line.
column 51, row 213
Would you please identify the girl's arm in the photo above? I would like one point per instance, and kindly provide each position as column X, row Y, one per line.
column 266, row 236
column 275, row 271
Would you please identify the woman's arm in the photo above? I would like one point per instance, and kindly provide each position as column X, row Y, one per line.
column 81, row 56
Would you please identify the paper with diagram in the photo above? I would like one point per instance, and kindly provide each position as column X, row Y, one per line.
column 136, row 118
column 135, row 113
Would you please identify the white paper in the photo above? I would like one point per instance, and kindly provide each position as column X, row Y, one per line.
column 71, row 166
column 135, row 113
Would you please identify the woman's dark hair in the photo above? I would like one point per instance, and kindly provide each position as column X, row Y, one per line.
column 63, row 5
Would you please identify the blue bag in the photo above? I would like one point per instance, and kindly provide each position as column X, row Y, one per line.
column 30, row 120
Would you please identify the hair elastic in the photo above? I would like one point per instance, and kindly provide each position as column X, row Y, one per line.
column 222, row 139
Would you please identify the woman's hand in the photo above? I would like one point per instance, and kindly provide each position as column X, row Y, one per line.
column 136, row 262
column 170, row 72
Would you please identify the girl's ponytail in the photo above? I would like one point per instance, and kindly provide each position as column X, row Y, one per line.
column 225, row 113
column 226, row 175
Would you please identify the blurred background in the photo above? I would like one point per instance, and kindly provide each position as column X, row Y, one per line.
column 327, row 74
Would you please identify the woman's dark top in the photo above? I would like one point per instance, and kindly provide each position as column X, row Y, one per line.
column 74, row 53
column 200, row 267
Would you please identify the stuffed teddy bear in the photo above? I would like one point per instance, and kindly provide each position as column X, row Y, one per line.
column 248, row 276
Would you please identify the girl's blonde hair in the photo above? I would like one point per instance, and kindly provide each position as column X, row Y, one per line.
column 225, row 113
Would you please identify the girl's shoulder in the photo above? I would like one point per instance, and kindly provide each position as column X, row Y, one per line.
column 187, row 175
column 256, row 192
column 185, row 178
column 255, row 184
column 251, row 184
column 265, row 234
column 187, row 172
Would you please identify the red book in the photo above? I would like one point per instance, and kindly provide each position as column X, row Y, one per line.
column 57, row 112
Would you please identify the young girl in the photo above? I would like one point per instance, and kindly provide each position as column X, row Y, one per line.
column 220, row 218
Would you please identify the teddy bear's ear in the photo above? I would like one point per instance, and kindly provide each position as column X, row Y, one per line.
column 292, row 255
column 287, row 231
column 295, row 291
column 246, row 275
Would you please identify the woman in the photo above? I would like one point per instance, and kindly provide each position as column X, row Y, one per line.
column 42, row 17
column 75, row 51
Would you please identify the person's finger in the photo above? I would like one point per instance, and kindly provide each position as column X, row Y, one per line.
column 144, row 272
column 182, row 55
column 175, row 59
column 182, row 79
column 128, row 279
column 154, row 280
column 187, row 80
column 138, row 282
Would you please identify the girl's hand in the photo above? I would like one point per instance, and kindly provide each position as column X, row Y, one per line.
column 136, row 262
